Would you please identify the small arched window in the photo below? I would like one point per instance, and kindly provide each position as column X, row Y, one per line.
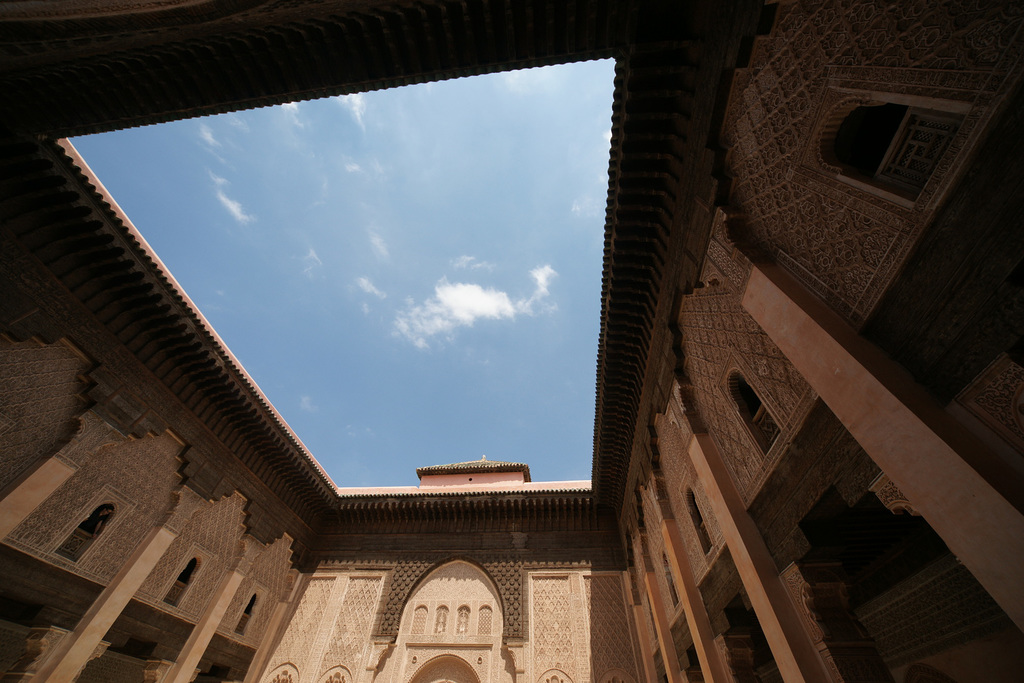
column 484, row 621
column 668, row 580
column 243, row 621
column 698, row 521
column 84, row 534
column 441, row 619
column 462, row 623
column 181, row 583
column 419, row 620
column 755, row 415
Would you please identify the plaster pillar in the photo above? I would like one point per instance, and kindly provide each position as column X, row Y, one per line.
column 65, row 661
column 276, row 626
column 713, row 665
column 668, row 647
column 969, row 495
column 643, row 635
column 26, row 495
column 795, row 656
column 184, row 668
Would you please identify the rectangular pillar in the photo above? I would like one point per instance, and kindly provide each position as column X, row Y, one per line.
column 713, row 666
column 643, row 635
column 795, row 656
column 33, row 489
column 669, row 657
column 968, row 494
column 65, row 661
column 183, row 669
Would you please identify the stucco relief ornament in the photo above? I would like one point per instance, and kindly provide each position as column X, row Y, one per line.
column 891, row 496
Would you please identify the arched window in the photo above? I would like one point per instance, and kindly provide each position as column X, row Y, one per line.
column 246, row 615
column 897, row 145
column 419, row 620
column 181, row 583
column 668, row 579
column 441, row 619
column 698, row 521
column 484, row 621
column 754, row 413
column 462, row 623
column 85, row 533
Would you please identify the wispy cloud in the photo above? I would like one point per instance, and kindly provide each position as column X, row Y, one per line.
column 306, row 403
column 368, row 287
column 206, row 135
column 587, row 207
column 312, row 262
column 380, row 247
column 233, row 207
column 353, row 167
column 465, row 262
column 356, row 105
column 291, row 110
column 531, row 81
column 462, row 304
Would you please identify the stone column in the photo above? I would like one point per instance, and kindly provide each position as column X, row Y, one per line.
column 713, row 666
column 797, row 659
column 184, row 668
column 643, row 635
column 64, row 661
column 668, row 647
column 969, row 495
column 276, row 626
column 819, row 592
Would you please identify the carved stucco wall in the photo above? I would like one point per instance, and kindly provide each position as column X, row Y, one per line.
column 846, row 243
column 674, row 437
column 212, row 535
column 330, row 631
column 268, row 580
column 139, row 476
column 719, row 337
column 39, row 402
column 614, row 650
column 112, row 667
column 656, row 547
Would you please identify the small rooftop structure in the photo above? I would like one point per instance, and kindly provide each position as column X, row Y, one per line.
column 475, row 469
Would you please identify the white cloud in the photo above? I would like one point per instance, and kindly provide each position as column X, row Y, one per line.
column 233, row 207
column 312, row 262
column 380, row 247
column 462, row 304
column 356, row 105
column 353, row 167
column 471, row 263
column 587, row 207
column 368, row 287
column 532, row 81
column 206, row 135
column 306, row 403
column 291, row 110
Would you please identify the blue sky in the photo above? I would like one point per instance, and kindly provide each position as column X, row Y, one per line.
column 412, row 276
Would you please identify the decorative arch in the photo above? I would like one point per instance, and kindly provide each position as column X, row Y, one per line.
column 445, row 669
column 285, row 673
column 554, row 676
column 615, row 676
column 454, row 569
column 753, row 410
column 337, row 674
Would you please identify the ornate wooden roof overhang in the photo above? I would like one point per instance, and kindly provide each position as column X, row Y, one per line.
column 477, row 512
column 473, row 466
column 79, row 75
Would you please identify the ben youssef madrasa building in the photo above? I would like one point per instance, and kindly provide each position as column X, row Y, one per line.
column 810, row 387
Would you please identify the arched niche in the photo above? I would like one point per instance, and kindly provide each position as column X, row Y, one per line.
column 338, row 674
column 554, row 676
column 446, row 669
column 450, row 628
column 448, row 588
